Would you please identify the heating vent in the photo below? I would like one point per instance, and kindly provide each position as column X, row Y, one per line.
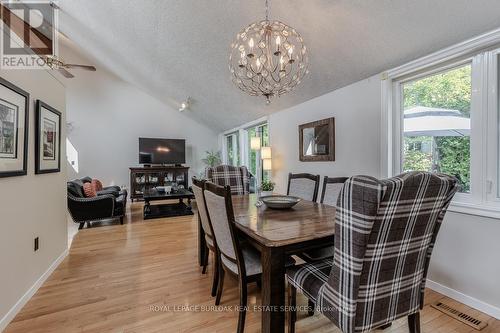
column 459, row 315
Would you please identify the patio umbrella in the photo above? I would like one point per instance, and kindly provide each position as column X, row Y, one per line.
column 428, row 121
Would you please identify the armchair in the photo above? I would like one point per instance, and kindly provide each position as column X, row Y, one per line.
column 110, row 203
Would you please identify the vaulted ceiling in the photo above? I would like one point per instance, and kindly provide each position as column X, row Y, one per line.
column 174, row 49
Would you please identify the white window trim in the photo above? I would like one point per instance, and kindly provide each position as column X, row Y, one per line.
column 483, row 199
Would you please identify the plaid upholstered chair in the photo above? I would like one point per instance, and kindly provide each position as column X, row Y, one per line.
column 198, row 190
column 236, row 177
column 303, row 185
column 384, row 235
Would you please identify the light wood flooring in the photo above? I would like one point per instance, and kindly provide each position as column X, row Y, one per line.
column 117, row 278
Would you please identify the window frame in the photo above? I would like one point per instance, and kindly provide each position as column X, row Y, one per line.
column 244, row 142
column 483, row 52
column 398, row 112
column 235, row 138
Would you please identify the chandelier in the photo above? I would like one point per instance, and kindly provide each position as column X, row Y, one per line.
column 268, row 58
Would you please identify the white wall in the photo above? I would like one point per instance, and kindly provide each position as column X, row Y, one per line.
column 108, row 115
column 32, row 205
column 356, row 109
column 464, row 263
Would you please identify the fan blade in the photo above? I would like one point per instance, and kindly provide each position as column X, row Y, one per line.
column 86, row 67
column 65, row 73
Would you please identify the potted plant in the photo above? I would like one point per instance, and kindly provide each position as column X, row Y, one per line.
column 211, row 159
column 266, row 188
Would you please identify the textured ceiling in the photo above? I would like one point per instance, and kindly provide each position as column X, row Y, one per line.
column 174, row 49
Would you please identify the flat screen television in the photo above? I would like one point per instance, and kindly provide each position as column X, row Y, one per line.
column 162, row 151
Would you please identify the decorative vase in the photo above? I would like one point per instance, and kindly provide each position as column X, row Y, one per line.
column 266, row 193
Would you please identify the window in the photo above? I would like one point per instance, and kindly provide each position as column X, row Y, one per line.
column 236, row 148
column 437, row 124
column 254, row 162
column 442, row 114
column 233, row 149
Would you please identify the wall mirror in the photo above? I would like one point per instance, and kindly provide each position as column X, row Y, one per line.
column 317, row 140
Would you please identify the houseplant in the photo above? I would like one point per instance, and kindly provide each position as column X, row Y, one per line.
column 266, row 188
column 211, row 159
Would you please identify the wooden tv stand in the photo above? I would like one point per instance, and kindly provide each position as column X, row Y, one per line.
column 145, row 178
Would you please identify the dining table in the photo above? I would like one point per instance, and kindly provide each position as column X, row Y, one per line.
column 277, row 234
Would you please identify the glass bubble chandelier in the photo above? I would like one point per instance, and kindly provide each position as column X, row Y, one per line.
column 268, row 58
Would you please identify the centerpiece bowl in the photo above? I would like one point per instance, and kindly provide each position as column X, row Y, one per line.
column 280, row 201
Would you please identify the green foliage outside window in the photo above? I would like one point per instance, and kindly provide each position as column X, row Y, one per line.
column 450, row 154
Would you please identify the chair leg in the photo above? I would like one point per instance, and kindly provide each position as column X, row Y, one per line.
column 216, row 274
column 89, row 225
column 205, row 262
column 221, row 285
column 80, row 226
column 121, row 220
column 310, row 306
column 243, row 305
column 414, row 322
column 292, row 312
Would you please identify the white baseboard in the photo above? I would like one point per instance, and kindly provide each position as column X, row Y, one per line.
column 489, row 309
column 26, row 297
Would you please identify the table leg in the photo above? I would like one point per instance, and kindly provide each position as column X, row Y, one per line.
column 202, row 245
column 147, row 206
column 273, row 290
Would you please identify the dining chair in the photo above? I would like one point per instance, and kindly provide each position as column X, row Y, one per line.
column 237, row 177
column 198, row 187
column 303, row 185
column 329, row 196
column 384, row 235
column 236, row 258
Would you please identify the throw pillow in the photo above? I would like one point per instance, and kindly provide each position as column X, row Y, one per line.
column 97, row 185
column 89, row 190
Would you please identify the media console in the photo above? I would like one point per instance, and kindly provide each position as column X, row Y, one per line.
column 146, row 178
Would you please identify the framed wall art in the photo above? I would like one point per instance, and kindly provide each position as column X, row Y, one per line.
column 317, row 141
column 47, row 139
column 14, row 126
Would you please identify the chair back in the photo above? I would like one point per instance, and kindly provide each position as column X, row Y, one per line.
column 199, row 195
column 384, row 235
column 331, row 190
column 236, row 177
column 303, row 185
column 220, row 210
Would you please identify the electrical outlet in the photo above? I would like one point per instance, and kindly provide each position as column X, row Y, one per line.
column 37, row 244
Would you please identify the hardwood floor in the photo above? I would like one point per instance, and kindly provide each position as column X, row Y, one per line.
column 136, row 277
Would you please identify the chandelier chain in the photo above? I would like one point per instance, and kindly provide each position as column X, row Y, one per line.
column 267, row 10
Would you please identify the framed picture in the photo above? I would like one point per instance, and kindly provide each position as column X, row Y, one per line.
column 317, row 141
column 47, row 139
column 14, row 112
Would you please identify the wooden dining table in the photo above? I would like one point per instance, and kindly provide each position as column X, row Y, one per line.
column 278, row 234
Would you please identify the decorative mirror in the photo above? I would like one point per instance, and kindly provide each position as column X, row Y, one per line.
column 317, row 140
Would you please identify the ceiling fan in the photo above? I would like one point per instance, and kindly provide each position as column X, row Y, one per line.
column 62, row 67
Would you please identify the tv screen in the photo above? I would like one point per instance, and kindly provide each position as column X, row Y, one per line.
column 162, row 151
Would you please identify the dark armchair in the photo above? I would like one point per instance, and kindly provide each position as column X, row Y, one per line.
column 109, row 203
